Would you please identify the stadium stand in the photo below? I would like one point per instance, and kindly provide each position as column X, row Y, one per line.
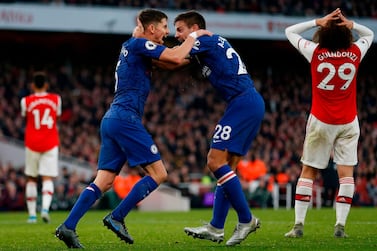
column 352, row 8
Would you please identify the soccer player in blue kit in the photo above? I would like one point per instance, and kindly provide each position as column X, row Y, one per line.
column 123, row 136
column 233, row 134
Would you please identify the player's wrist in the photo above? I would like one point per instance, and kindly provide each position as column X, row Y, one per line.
column 194, row 35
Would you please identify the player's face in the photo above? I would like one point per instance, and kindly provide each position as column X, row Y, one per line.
column 182, row 31
column 161, row 31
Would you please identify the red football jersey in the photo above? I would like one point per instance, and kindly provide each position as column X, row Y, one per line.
column 334, row 85
column 333, row 74
column 41, row 111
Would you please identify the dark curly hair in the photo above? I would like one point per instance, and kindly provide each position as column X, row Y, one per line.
column 333, row 37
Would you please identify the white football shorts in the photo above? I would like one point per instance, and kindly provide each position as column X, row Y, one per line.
column 322, row 140
column 43, row 164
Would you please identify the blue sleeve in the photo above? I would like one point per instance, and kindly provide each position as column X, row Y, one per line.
column 148, row 48
column 203, row 44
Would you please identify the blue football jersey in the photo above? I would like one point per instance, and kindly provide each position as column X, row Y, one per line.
column 227, row 73
column 123, row 136
column 222, row 65
column 133, row 74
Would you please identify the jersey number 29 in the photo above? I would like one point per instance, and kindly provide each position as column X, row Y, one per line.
column 345, row 72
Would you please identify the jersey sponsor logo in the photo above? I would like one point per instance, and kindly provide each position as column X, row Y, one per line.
column 124, row 52
column 150, row 45
column 206, row 71
column 217, row 141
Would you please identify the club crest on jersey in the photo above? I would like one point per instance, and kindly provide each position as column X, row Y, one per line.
column 154, row 149
column 150, row 45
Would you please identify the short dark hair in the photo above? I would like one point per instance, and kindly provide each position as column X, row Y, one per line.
column 333, row 37
column 191, row 17
column 149, row 16
column 39, row 79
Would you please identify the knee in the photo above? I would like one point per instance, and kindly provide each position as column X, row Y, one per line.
column 161, row 176
column 211, row 164
column 309, row 172
column 103, row 185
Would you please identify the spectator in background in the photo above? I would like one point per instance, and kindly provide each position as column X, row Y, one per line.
column 12, row 188
column 255, row 180
column 261, row 196
column 41, row 111
column 251, row 168
column 123, row 184
column 366, row 8
column 333, row 124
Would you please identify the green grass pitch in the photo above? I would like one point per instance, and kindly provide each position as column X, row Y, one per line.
column 164, row 231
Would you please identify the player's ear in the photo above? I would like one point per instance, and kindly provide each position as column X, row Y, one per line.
column 151, row 28
column 195, row 27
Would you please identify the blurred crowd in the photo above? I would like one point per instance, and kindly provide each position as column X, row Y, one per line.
column 353, row 8
column 180, row 113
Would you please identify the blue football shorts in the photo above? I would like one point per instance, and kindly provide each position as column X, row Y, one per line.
column 125, row 141
column 240, row 123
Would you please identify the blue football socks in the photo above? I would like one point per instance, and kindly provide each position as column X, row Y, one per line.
column 140, row 190
column 82, row 205
column 233, row 191
column 221, row 207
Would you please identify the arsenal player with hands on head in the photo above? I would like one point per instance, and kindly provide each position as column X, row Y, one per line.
column 332, row 126
column 41, row 110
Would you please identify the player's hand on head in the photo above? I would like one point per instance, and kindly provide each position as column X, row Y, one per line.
column 138, row 30
column 332, row 16
column 200, row 32
column 203, row 32
column 345, row 21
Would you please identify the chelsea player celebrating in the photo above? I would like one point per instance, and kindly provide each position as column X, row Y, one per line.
column 123, row 136
column 233, row 134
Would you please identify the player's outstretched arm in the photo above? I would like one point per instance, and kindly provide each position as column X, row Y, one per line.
column 179, row 54
column 293, row 32
column 365, row 34
column 169, row 65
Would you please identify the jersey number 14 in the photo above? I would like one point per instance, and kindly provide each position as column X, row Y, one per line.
column 45, row 120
